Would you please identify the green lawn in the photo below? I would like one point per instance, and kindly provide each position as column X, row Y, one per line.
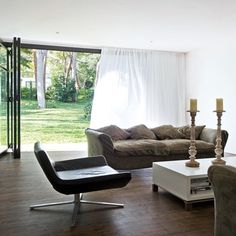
column 58, row 123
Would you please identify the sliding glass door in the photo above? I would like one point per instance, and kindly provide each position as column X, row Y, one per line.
column 10, row 97
column 4, row 73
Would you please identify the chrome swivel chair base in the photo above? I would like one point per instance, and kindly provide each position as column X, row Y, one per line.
column 77, row 201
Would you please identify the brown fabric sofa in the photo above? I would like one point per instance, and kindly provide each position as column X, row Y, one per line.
column 139, row 146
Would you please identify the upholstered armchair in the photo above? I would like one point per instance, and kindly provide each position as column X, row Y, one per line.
column 223, row 180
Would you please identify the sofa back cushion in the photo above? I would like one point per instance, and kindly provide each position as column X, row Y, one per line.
column 114, row 132
column 140, row 132
column 167, row 132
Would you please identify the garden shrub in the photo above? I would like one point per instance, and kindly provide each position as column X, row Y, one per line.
column 64, row 89
column 50, row 93
column 88, row 97
column 29, row 93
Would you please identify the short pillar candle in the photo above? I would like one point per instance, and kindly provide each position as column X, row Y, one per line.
column 219, row 104
column 193, row 105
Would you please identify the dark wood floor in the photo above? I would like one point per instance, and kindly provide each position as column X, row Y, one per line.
column 22, row 183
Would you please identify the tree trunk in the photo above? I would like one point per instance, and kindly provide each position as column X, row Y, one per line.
column 35, row 66
column 44, row 71
column 40, row 74
column 65, row 64
column 74, row 75
column 69, row 66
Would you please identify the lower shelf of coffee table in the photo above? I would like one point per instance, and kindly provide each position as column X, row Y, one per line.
column 188, row 187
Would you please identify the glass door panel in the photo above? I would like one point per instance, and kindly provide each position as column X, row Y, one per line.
column 3, row 99
column 10, row 97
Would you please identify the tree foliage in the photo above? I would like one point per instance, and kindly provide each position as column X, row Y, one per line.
column 27, row 65
column 87, row 68
column 72, row 75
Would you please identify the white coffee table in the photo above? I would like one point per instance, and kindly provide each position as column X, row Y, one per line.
column 189, row 184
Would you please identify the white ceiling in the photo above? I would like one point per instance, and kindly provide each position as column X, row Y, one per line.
column 173, row 25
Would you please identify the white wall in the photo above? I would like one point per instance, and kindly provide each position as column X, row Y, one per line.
column 211, row 74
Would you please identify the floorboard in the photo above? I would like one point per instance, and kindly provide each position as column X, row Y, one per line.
column 23, row 183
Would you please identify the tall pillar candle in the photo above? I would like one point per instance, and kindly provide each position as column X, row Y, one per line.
column 193, row 105
column 219, row 104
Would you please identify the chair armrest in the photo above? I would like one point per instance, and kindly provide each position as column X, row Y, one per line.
column 98, row 143
column 220, row 174
column 209, row 135
column 223, row 180
column 80, row 163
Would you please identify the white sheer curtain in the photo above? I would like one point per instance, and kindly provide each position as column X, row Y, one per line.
column 139, row 86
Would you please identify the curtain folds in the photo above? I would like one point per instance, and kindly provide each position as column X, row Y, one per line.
column 139, row 86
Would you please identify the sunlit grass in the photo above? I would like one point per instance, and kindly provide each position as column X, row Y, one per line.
column 58, row 123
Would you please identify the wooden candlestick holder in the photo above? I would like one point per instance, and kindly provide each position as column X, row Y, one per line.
column 218, row 149
column 192, row 149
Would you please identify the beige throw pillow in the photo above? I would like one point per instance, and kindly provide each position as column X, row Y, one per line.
column 186, row 131
column 167, row 132
column 114, row 132
column 141, row 132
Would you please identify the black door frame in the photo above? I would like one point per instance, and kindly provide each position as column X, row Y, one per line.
column 13, row 95
column 16, row 58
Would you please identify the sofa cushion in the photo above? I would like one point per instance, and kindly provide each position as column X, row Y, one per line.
column 167, row 132
column 141, row 147
column 140, row 132
column 204, row 147
column 114, row 132
column 186, row 131
column 181, row 146
column 209, row 135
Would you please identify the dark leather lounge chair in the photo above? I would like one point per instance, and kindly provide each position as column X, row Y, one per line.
column 78, row 176
column 223, row 180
